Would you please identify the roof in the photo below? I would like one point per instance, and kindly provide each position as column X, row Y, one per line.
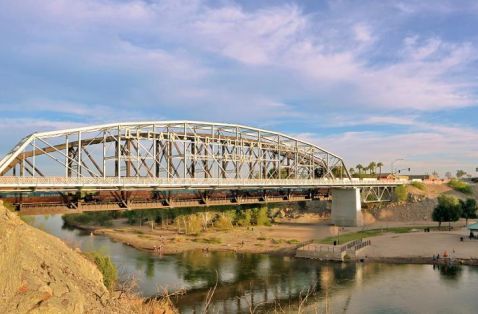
column 473, row 226
column 419, row 176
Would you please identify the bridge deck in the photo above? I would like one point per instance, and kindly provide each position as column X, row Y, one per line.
column 131, row 183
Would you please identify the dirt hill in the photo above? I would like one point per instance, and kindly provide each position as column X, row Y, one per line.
column 41, row 274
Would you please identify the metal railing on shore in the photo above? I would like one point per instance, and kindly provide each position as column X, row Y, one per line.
column 331, row 252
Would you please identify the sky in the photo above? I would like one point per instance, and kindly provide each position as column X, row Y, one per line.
column 368, row 80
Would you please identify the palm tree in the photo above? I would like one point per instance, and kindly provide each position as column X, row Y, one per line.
column 380, row 165
column 359, row 168
column 352, row 170
column 372, row 166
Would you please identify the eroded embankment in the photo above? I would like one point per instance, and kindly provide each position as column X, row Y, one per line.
column 41, row 274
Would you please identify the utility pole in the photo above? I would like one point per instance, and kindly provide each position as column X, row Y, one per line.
column 391, row 166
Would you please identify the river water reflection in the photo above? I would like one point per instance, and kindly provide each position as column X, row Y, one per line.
column 268, row 282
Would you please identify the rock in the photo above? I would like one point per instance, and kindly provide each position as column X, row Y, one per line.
column 46, row 289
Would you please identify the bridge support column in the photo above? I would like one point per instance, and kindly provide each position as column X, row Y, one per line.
column 346, row 207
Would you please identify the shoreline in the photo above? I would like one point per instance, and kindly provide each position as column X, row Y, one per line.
column 419, row 260
column 127, row 238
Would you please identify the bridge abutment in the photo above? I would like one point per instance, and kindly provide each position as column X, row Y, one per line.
column 346, row 207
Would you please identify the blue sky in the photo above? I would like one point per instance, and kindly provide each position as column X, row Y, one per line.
column 369, row 80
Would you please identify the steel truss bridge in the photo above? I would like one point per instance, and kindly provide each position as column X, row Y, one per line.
column 172, row 163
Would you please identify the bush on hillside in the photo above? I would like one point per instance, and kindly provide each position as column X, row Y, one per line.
column 401, row 193
column 460, row 186
column 106, row 267
column 419, row 185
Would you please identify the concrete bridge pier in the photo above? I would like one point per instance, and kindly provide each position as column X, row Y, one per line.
column 346, row 207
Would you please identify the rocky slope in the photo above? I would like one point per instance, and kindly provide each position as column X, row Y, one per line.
column 418, row 207
column 41, row 274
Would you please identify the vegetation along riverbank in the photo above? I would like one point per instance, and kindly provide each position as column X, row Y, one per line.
column 281, row 229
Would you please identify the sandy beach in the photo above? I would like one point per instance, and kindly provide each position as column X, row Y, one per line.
column 421, row 247
column 281, row 238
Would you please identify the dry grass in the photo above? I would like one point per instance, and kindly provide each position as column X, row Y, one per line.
column 126, row 294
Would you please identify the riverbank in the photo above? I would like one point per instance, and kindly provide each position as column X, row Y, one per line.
column 421, row 248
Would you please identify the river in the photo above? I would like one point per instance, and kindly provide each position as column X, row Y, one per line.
column 268, row 282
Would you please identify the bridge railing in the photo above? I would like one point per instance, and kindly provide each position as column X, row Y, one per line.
column 184, row 182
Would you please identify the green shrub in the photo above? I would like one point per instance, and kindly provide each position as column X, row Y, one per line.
column 89, row 218
column 244, row 218
column 419, row 185
column 448, row 209
column 28, row 219
column 130, row 216
column 260, row 217
column 106, row 267
column 460, row 186
column 401, row 193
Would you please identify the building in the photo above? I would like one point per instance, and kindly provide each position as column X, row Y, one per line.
column 392, row 176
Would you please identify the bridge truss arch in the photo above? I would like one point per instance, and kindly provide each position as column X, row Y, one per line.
column 170, row 150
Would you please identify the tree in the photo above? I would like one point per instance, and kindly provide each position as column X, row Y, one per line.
column 401, row 193
column 338, row 171
column 372, row 167
column 448, row 175
column 260, row 216
column 359, row 168
column 380, row 165
column 448, row 209
column 460, row 173
column 468, row 209
column 352, row 170
column 244, row 217
column 435, row 173
column 151, row 214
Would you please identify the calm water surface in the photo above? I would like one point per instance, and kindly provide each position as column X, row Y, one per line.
column 267, row 282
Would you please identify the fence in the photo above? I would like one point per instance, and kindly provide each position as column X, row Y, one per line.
column 331, row 252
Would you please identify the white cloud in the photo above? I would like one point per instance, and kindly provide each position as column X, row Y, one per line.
column 165, row 42
column 432, row 147
column 117, row 60
column 363, row 33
